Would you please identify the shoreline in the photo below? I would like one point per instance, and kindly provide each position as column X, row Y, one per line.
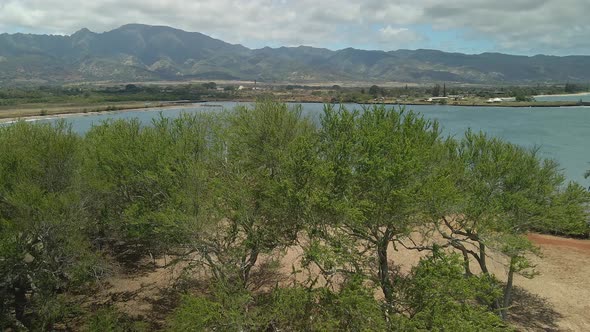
column 565, row 94
column 63, row 115
column 60, row 114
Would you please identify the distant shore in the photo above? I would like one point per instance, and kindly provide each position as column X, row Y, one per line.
column 565, row 94
column 66, row 113
column 34, row 114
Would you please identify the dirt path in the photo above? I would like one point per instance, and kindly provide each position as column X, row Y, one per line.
column 564, row 280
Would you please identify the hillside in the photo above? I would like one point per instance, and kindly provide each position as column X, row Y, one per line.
column 137, row 52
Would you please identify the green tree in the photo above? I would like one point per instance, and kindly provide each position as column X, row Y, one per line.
column 502, row 191
column 436, row 90
column 210, row 85
column 258, row 178
column 43, row 251
column 146, row 184
column 374, row 170
column 375, row 91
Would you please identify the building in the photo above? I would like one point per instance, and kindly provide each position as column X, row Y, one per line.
column 435, row 99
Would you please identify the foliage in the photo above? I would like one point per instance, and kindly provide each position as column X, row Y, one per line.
column 573, row 88
column 228, row 193
column 145, row 184
column 260, row 184
column 568, row 213
column 373, row 172
column 43, row 250
column 374, row 91
column 108, row 319
column 352, row 308
column 439, row 297
column 503, row 191
column 524, row 98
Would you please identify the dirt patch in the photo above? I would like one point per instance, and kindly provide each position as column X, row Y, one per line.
column 563, row 280
column 558, row 299
column 554, row 241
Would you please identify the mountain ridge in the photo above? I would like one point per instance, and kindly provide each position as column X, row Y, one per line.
column 137, row 52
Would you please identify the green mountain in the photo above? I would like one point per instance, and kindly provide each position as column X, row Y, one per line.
column 137, row 52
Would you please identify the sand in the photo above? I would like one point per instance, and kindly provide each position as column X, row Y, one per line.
column 556, row 300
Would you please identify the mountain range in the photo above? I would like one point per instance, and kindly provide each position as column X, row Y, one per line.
column 136, row 52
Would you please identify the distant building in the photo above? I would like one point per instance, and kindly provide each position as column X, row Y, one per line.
column 456, row 97
column 431, row 99
column 499, row 100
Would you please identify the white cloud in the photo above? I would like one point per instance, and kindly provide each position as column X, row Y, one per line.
column 553, row 26
column 394, row 38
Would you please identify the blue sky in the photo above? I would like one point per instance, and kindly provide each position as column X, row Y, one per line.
column 526, row 27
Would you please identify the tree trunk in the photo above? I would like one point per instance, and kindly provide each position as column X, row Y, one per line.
column 484, row 269
column 482, row 259
column 20, row 302
column 508, row 290
column 466, row 263
column 384, row 280
column 249, row 263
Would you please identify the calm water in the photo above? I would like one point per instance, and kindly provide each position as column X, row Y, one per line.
column 561, row 133
column 583, row 97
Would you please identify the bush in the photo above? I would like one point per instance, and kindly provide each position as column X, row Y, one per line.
column 353, row 308
column 439, row 297
column 110, row 320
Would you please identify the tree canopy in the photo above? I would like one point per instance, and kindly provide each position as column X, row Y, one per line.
column 226, row 196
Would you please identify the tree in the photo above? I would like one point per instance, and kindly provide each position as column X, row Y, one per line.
column 524, row 98
column 210, row 85
column 352, row 307
column 374, row 169
column 375, row 91
column 132, row 88
column 43, row 250
column 436, row 90
column 502, row 191
column 258, row 181
column 144, row 184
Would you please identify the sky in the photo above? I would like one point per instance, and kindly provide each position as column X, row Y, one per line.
column 528, row 27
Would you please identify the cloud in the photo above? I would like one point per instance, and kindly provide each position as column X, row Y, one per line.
column 391, row 36
column 526, row 26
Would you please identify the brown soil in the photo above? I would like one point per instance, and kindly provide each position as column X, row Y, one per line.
column 553, row 241
column 558, row 299
column 564, row 280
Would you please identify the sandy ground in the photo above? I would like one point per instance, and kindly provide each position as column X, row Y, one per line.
column 564, row 280
column 558, row 299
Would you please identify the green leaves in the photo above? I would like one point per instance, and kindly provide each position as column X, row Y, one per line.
column 145, row 184
column 43, row 250
column 440, row 297
column 230, row 192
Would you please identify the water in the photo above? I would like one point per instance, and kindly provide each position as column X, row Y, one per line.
column 561, row 133
column 584, row 97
